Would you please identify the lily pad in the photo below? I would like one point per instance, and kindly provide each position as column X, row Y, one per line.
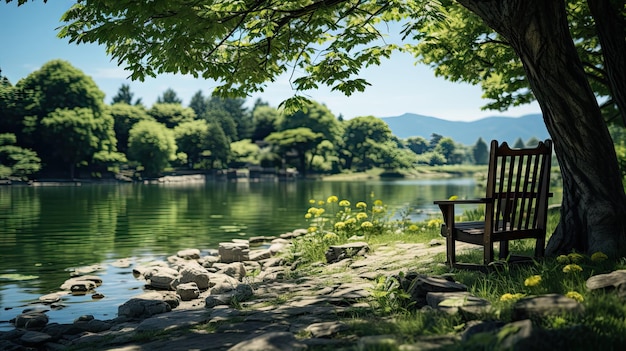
column 17, row 277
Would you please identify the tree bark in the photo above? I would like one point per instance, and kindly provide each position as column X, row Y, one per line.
column 611, row 28
column 593, row 212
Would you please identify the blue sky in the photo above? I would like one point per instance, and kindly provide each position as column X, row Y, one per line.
column 399, row 86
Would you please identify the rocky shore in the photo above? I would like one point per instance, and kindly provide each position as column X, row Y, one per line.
column 244, row 296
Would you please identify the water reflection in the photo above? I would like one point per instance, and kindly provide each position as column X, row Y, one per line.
column 45, row 231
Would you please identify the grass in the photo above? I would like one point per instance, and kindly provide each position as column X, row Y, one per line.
column 602, row 326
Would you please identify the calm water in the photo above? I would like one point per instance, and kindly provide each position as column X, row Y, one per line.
column 46, row 232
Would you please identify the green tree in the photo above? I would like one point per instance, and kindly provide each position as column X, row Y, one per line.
column 74, row 136
column 16, row 162
column 447, row 148
column 199, row 104
column 301, row 141
column 192, row 138
column 171, row 114
column 153, row 145
column 363, row 137
column 417, row 144
column 265, row 119
column 169, row 97
column 480, row 151
column 56, row 85
column 331, row 41
column 125, row 116
column 218, row 147
column 244, row 152
column 124, row 95
column 519, row 144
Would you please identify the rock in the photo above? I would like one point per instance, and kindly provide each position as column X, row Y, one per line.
column 513, row 335
column 236, row 270
column 419, row 286
column 243, row 292
column 337, row 253
column 234, row 252
column 188, row 291
column 189, row 254
column 477, row 327
column 169, row 297
column 208, row 261
column 31, row 320
column 82, row 284
column 452, row 302
column 52, row 298
column 274, row 341
column 540, row 306
column 222, row 282
column 614, row 280
column 217, row 300
column 326, row 329
column 122, row 263
column 32, row 338
column 195, row 274
column 141, row 308
column 260, row 239
column 93, row 326
column 163, row 278
column 258, row 255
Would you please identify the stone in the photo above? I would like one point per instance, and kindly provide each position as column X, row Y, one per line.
column 195, row 274
column 604, row 281
column 326, row 329
column 217, row 300
column 122, row 263
column 236, row 270
column 189, row 254
column 32, row 338
column 258, row 255
column 81, row 284
column 273, row 341
column 419, row 286
column 234, row 252
column 93, row 326
column 336, row 253
column 243, row 292
column 542, row 305
column 188, row 291
column 169, row 297
column 52, row 298
column 32, row 320
column 141, row 308
column 208, row 261
column 452, row 302
column 163, row 278
column 514, row 334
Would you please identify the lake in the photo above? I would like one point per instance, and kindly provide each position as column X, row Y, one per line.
column 47, row 231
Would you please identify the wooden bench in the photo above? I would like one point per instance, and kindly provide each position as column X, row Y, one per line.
column 516, row 204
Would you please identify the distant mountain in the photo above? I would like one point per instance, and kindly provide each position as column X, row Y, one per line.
column 507, row 129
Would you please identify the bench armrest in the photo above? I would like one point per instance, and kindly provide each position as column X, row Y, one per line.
column 462, row 202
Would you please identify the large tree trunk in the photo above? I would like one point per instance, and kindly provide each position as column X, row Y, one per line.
column 593, row 212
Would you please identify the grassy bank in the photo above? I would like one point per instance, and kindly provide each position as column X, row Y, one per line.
column 602, row 326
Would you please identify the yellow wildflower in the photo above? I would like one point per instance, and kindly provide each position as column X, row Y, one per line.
column 361, row 216
column 330, row 236
column 453, row 197
column 575, row 295
column 378, row 210
column 350, row 220
column 361, row 204
column 340, row 225
column 312, row 229
column 511, row 297
column 366, row 225
column 332, row 199
column 562, row 259
column 599, row 256
column 307, row 216
column 312, row 210
column 312, row 201
column 532, row 280
column 321, row 202
column 344, row 203
column 413, row 228
column 572, row 268
column 319, row 212
column 378, row 203
column 576, row 257
column 434, row 222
